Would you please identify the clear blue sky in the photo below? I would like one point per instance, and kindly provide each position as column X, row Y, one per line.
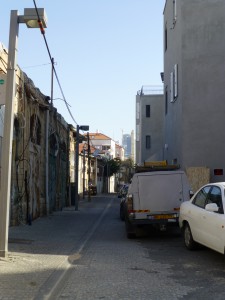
column 105, row 51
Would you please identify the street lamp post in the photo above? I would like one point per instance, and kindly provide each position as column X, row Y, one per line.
column 32, row 20
column 84, row 168
column 84, row 128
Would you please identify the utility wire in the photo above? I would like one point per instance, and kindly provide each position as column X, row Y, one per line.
column 52, row 62
column 49, row 53
column 35, row 66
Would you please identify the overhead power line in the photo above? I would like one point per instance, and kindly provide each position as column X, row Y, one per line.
column 35, row 66
column 52, row 62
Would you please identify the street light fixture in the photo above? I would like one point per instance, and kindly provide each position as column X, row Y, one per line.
column 84, row 128
column 33, row 19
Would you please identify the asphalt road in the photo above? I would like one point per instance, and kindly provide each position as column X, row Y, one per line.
column 107, row 265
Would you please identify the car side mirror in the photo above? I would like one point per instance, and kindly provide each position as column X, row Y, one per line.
column 212, row 207
column 191, row 194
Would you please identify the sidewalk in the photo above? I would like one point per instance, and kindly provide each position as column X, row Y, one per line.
column 40, row 253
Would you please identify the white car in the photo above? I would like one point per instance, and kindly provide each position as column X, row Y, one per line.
column 202, row 219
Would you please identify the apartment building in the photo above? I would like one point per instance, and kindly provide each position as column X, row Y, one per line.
column 106, row 147
column 149, row 124
column 194, row 84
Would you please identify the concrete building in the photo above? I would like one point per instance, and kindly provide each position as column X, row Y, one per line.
column 149, row 124
column 120, row 152
column 104, row 144
column 194, row 83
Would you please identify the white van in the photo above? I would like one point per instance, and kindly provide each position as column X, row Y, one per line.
column 154, row 198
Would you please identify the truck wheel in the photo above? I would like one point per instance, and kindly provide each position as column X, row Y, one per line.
column 130, row 230
column 122, row 217
column 188, row 239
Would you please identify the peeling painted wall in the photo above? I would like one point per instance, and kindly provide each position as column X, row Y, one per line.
column 29, row 163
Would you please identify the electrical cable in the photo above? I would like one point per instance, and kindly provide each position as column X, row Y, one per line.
column 35, row 66
column 53, row 67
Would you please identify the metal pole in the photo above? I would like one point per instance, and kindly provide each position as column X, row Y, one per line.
column 107, row 177
column 8, row 134
column 52, row 77
column 84, row 170
column 76, row 168
column 89, row 169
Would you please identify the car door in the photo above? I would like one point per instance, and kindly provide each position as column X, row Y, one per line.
column 196, row 213
column 214, row 222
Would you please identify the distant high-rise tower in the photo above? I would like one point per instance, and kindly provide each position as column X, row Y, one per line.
column 126, row 143
column 132, row 146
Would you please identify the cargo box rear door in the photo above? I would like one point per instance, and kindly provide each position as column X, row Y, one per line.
column 161, row 192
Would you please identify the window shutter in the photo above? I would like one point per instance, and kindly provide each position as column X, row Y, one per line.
column 175, row 81
column 171, row 87
column 174, row 11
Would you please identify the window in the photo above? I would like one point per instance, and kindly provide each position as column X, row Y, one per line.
column 137, row 133
column 148, row 111
column 216, row 197
column 174, row 84
column 218, row 172
column 1, row 139
column 165, row 38
column 174, row 12
column 105, row 148
column 175, row 81
column 200, row 198
column 137, row 111
column 148, row 142
column 171, row 87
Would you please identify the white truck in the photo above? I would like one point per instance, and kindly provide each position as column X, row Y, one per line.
column 154, row 198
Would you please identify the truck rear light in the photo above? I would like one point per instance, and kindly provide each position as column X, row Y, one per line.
column 176, row 208
column 130, row 203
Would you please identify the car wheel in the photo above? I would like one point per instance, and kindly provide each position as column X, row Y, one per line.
column 188, row 239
